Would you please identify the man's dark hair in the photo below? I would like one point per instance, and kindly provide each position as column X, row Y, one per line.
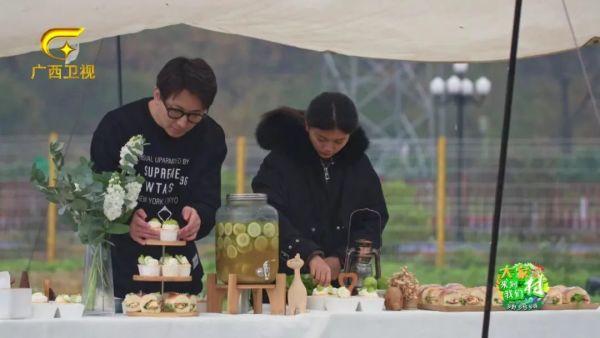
column 195, row 75
column 330, row 111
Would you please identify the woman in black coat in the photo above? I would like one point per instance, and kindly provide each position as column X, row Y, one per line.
column 316, row 175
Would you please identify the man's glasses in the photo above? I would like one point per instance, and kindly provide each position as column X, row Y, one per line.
column 192, row 117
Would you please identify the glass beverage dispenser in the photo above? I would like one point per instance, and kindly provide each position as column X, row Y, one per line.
column 247, row 239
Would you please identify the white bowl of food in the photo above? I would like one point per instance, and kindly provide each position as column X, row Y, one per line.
column 149, row 270
column 342, row 301
column 170, row 270
column 316, row 302
column 369, row 301
column 15, row 303
column 148, row 266
column 41, row 308
column 69, row 307
column 319, row 294
column 170, row 266
column 169, row 230
column 44, row 310
column 341, row 305
column 371, row 304
column 155, row 224
column 185, row 268
column 168, row 235
column 70, row 310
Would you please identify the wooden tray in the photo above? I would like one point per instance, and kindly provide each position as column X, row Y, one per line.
column 592, row 306
column 155, row 242
column 162, row 314
column 463, row 308
column 139, row 278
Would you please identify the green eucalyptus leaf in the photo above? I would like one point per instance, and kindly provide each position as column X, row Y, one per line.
column 83, row 237
column 126, row 216
column 37, row 175
column 79, row 204
column 56, row 146
column 117, row 228
column 56, row 154
column 98, row 237
column 68, row 220
column 52, row 198
column 68, row 195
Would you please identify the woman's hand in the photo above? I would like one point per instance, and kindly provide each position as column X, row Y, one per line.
column 320, row 270
column 335, row 266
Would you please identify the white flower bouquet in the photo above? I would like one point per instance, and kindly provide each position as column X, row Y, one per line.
column 97, row 205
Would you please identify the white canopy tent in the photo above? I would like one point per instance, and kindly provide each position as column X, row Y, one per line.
column 419, row 30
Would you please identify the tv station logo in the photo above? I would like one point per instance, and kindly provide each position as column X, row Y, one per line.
column 61, row 44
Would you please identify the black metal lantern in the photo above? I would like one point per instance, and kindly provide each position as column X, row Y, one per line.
column 360, row 257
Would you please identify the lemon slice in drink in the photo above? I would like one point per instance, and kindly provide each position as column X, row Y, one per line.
column 239, row 228
column 220, row 229
column 261, row 243
column 275, row 243
column 228, row 228
column 232, row 252
column 227, row 242
column 269, row 229
column 220, row 243
column 242, row 240
column 254, row 229
column 244, row 249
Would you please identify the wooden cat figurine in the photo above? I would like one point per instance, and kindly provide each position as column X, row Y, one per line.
column 297, row 294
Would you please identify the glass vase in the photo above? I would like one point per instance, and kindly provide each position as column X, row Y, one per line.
column 98, row 290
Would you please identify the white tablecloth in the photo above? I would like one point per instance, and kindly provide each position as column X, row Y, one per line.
column 404, row 324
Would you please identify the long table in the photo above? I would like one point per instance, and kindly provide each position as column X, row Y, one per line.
column 403, row 324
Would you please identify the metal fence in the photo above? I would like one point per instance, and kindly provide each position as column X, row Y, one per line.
column 552, row 189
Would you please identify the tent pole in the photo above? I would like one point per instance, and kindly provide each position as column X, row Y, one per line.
column 119, row 71
column 510, row 82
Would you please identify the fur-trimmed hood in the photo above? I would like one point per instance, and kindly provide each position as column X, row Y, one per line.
column 283, row 129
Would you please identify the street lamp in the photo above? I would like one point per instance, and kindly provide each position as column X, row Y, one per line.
column 460, row 90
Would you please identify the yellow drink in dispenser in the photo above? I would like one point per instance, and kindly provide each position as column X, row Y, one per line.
column 247, row 239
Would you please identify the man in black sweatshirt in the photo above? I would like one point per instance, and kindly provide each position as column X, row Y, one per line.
column 181, row 166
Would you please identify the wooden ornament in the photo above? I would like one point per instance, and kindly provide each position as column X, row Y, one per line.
column 297, row 294
column 348, row 280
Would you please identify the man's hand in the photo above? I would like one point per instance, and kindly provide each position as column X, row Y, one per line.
column 190, row 230
column 335, row 266
column 320, row 270
column 139, row 230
